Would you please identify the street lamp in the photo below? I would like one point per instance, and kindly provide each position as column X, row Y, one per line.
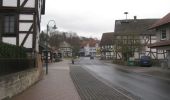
column 54, row 27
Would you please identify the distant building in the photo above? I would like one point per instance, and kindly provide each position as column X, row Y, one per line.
column 65, row 49
column 133, row 35
column 106, row 46
column 89, row 48
column 162, row 33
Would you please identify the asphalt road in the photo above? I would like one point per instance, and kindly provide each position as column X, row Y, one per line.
column 145, row 87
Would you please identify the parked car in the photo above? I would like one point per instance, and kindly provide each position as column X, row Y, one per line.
column 91, row 57
column 145, row 61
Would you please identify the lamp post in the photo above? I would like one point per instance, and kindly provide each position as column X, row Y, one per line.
column 54, row 27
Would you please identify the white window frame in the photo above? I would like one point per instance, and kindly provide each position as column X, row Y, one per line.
column 163, row 31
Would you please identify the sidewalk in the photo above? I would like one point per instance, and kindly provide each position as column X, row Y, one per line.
column 154, row 71
column 57, row 85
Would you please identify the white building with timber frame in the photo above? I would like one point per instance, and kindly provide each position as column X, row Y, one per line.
column 134, row 35
column 20, row 22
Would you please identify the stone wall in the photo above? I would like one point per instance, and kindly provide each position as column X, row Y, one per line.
column 13, row 84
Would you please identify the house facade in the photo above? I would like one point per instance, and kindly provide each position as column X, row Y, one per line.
column 106, row 46
column 20, row 26
column 162, row 33
column 132, row 35
column 20, row 22
column 89, row 48
column 65, row 49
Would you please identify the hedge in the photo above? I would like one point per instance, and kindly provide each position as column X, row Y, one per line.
column 12, row 51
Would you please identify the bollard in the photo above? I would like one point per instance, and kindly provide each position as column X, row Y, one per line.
column 72, row 61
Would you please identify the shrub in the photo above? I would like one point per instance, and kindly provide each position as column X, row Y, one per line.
column 12, row 51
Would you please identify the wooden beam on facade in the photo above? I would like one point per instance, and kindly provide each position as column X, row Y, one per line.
column 43, row 7
column 24, row 2
column 23, row 32
column 8, row 35
column 34, row 33
column 26, row 21
column 25, row 38
column 17, row 23
column 16, row 10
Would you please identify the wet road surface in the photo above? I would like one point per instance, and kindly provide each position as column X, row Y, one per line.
column 145, row 87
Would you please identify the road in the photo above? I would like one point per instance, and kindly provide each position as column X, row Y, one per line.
column 145, row 87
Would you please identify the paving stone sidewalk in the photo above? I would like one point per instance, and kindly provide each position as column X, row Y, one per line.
column 89, row 88
column 57, row 85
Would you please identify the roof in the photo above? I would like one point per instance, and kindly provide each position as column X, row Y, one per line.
column 131, row 26
column 163, row 21
column 160, row 44
column 91, row 42
column 107, row 39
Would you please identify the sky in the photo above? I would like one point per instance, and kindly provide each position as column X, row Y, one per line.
column 91, row 18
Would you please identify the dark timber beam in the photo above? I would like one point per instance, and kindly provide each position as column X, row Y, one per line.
column 25, row 38
column 26, row 21
column 17, row 23
column 23, row 32
column 43, row 8
column 34, row 33
column 24, row 2
column 17, row 10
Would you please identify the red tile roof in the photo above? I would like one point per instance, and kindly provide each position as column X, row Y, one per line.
column 91, row 42
column 163, row 21
column 160, row 44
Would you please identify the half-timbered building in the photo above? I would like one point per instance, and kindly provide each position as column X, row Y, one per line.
column 162, row 42
column 106, row 46
column 132, row 35
column 20, row 22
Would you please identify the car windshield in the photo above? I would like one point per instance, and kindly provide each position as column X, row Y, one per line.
column 145, row 57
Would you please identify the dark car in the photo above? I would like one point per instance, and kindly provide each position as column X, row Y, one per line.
column 145, row 61
column 91, row 57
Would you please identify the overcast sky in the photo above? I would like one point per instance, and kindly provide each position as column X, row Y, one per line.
column 91, row 18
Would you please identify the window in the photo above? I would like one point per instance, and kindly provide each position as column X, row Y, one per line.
column 0, row 2
column 160, row 51
column 9, row 24
column 163, row 34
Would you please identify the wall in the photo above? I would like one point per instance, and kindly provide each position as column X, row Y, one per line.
column 13, row 84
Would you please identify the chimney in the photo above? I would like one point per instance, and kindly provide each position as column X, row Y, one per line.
column 135, row 18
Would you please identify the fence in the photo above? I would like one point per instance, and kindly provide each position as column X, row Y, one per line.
column 8, row 66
